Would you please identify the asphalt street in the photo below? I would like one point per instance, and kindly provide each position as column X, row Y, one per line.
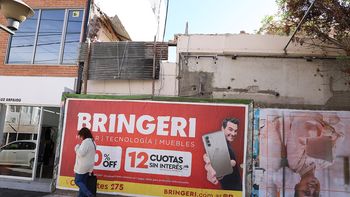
column 57, row 193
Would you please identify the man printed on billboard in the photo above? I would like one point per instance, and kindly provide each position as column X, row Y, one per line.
column 311, row 141
column 231, row 181
column 310, row 146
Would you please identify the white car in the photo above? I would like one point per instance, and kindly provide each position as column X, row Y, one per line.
column 21, row 153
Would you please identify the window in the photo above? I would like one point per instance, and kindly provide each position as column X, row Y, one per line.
column 27, row 146
column 13, row 146
column 70, row 52
column 14, row 108
column 49, row 37
column 24, row 136
column 20, row 137
column 12, row 137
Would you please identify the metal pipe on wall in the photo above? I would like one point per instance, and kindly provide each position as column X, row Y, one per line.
column 86, row 66
column 79, row 83
column 298, row 26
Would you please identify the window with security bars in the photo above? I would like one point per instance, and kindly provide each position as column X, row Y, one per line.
column 50, row 37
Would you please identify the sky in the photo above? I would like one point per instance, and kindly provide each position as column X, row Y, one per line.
column 203, row 16
column 136, row 16
column 145, row 19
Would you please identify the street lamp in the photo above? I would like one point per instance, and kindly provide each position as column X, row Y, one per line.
column 15, row 11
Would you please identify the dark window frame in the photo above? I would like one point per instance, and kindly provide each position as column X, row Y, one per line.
column 60, row 60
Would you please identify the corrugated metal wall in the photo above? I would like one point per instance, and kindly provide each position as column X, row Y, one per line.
column 123, row 60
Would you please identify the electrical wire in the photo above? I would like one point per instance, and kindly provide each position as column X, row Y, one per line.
column 166, row 19
column 161, row 74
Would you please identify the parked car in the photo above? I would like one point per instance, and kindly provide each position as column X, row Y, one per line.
column 20, row 153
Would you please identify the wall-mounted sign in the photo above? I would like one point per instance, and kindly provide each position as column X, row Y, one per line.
column 45, row 91
column 157, row 148
column 9, row 100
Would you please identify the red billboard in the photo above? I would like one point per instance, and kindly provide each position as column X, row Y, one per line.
column 157, row 148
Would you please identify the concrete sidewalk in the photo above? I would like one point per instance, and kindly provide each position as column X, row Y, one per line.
column 57, row 193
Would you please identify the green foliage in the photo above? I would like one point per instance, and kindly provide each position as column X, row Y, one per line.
column 328, row 21
column 274, row 25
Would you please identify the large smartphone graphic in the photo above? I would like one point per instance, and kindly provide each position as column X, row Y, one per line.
column 216, row 148
column 320, row 148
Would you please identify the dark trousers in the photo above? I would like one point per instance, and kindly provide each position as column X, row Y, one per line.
column 81, row 182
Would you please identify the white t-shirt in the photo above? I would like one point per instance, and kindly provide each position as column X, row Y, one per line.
column 85, row 156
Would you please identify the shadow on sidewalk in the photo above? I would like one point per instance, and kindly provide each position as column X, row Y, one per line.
column 57, row 193
column 21, row 193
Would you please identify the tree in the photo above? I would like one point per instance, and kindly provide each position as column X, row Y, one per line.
column 327, row 21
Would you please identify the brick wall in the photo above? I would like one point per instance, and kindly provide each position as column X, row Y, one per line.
column 38, row 70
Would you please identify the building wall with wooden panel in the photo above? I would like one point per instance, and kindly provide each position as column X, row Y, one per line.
column 129, row 68
column 32, row 69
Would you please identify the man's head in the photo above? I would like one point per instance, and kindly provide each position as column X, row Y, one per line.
column 230, row 128
column 308, row 186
